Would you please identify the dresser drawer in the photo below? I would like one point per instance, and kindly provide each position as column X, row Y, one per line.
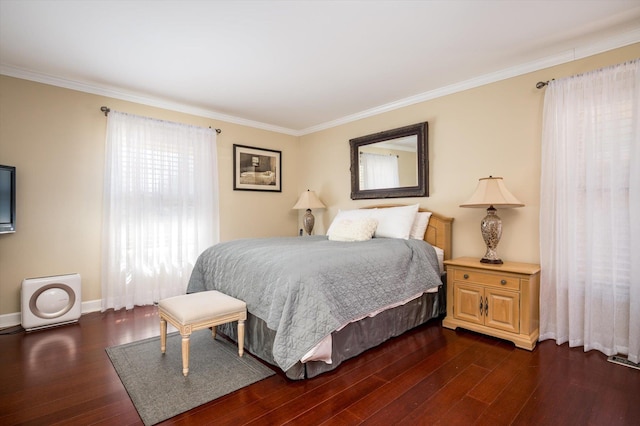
column 486, row 278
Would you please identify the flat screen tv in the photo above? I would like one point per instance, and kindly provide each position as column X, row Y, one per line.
column 7, row 199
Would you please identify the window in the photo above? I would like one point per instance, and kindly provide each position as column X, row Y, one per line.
column 161, row 207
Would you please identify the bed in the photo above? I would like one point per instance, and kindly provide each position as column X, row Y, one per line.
column 316, row 301
column 258, row 178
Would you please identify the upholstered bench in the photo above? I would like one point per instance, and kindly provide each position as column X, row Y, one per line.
column 195, row 311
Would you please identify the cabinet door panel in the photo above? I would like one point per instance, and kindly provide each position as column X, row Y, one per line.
column 467, row 302
column 504, row 310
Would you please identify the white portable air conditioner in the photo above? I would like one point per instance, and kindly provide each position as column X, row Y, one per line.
column 50, row 301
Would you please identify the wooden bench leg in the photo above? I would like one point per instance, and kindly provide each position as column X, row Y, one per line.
column 163, row 334
column 185, row 354
column 240, row 337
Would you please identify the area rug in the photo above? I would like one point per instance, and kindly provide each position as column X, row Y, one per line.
column 158, row 388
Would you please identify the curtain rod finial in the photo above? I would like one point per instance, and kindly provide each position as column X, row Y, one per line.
column 541, row 84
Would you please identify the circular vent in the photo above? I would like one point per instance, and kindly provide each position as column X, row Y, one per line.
column 52, row 301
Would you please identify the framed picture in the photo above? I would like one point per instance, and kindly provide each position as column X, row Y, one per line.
column 256, row 169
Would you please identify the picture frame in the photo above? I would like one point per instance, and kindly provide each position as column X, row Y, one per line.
column 256, row 169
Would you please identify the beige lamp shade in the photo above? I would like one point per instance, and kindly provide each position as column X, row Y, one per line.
column 491, row 191
column 308, row 200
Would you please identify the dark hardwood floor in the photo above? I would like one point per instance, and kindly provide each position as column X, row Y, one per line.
column 428, row 376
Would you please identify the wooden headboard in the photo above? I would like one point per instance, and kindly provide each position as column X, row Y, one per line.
column 438, row 231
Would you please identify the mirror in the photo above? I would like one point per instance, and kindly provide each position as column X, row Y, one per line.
column 391, row 164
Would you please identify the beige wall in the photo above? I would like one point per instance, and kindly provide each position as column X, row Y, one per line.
column 490, row 130
column 55, row 137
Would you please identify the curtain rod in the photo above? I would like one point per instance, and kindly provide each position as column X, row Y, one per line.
column 390, row 155
column 107, row 110
column 541, row 84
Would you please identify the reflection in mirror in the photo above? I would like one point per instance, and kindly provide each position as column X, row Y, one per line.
column 390, row 164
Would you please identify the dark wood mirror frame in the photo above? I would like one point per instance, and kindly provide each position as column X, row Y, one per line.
column 420, row 130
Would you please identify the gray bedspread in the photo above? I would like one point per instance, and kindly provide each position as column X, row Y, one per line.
column 304, row 288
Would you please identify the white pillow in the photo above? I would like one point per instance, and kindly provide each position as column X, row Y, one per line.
column 350, row 214
column 440, row 254
column 353, row 229
column 419, row 227
column 395, row 222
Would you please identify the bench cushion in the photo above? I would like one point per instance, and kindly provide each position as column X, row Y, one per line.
column 201, row 306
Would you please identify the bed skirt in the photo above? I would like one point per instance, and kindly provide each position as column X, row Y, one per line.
column 348, row 342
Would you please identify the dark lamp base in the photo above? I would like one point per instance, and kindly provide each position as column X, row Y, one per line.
column 492, row 261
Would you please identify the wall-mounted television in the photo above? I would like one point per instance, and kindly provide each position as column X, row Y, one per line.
column 7, row 199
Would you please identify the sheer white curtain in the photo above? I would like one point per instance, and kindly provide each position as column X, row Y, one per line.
column 160, row 207
column 378, row 171
column 590, row 211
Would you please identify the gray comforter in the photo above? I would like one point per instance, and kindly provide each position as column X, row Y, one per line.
column 304, row 288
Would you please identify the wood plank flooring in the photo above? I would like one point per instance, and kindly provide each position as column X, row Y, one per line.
column 428, row 376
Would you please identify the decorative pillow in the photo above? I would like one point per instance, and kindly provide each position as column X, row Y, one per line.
column 350, row 214
column 395, row 222
column 420, row 223
column 352, row 229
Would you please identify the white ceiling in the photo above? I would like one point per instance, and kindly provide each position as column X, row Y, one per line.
column 302, row 66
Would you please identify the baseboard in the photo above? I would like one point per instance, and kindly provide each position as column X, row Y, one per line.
column 13, row 319
column 91, row 306
column 9, row 320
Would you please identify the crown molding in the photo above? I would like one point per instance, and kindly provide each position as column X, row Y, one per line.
column 138, row 98
column 621, row 40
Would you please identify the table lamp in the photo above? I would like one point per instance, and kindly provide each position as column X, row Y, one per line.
column 492, row 193
column 308, row 200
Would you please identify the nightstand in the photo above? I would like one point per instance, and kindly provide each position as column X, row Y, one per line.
column 497, row 300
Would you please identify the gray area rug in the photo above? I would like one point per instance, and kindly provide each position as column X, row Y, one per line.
column 155, row 382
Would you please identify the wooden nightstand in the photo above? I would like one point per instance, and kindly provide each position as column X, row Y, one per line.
column 498, row 300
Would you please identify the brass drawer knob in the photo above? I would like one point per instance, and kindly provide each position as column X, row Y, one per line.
column 503, row 282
